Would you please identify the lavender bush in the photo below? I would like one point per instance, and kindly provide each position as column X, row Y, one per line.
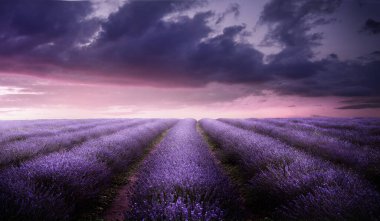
column 181, row 181
column 23, row 133
column 56, row 186
column 361, row 137
column 18, row 130
column 13, row 152
column 363, row 160
column 285, row 183
column 369, row 126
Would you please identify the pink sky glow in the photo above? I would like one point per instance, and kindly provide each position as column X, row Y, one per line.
column 28, row 97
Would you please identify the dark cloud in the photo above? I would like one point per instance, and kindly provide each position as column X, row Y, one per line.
column 287, row 67
column 164, row 46
column 361, row 103
column 233, row 9
column 337, row 78
column 136, row 17
column 373, row 56
column 333, row 56
column 177, row 50
column 42, row 17
column 223, row 59
column 361, row 106
column 153, row 42
column 372, row 26
column 35, row 27
column 291, row 24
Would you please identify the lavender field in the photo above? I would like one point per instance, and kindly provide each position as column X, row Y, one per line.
column 183, row 169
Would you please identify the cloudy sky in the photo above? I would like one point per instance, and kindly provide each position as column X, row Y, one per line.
column 189, row 58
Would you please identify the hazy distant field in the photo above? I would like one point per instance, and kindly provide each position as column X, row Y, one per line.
column 169, row 169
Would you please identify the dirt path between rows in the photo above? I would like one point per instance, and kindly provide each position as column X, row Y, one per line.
column 122, row 201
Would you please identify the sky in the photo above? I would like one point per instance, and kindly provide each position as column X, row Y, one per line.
column 189, row 58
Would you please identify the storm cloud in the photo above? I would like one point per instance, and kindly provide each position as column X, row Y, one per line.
column 360, row 103
column 176, row 44
column 371, row 26
column 42, row 27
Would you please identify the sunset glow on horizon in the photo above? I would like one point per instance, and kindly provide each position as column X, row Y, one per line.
column 198, row 59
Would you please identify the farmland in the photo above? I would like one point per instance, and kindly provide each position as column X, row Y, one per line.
column 183, row 169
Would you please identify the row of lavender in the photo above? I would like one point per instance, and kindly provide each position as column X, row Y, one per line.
column 181, row 181
column 358, row 131
column 19, row 130
column 55, row 185
column 283, row 182
column 17, row 151
column 361, row 158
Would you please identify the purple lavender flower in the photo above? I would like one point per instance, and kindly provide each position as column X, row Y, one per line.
column 363, row 160
column 277, row 174
column 55, row 186
column 181, row 181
